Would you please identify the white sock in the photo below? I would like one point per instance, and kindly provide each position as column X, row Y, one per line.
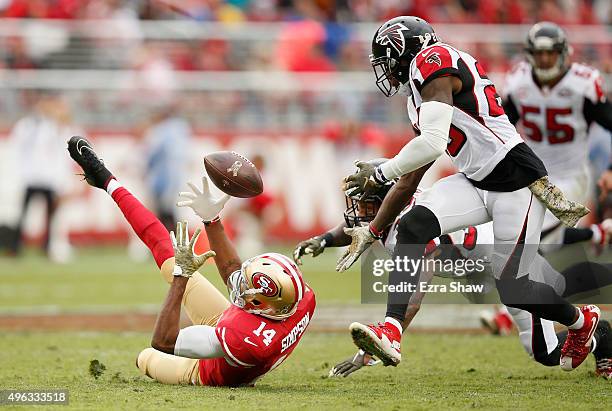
column 579, row 322
column 393, row 321
column 112, row 186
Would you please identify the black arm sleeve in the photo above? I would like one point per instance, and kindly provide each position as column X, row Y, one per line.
column 601, row 113
column 511, row 110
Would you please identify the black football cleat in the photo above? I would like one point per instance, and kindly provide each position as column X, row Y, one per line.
column 94, row 171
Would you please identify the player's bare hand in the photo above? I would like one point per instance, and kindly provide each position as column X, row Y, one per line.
column 314, row 246
column 362, row 239
column 605, row 185
column 202, row 201
column 361, row 183
column 350, row 365
column 186, row 261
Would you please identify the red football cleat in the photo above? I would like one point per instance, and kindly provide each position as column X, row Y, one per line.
column 578, row 343
column 498, row 322
column 603, row 368
column 601, row 235
column 382, row 340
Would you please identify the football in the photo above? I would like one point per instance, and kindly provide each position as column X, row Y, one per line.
column 233, row 174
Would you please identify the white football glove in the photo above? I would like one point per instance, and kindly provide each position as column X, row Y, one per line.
column 202, row 202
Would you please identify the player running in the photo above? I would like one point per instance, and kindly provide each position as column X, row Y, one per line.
column 455, row 108
column 537, row 336
column 231, row 343
column 554, row 102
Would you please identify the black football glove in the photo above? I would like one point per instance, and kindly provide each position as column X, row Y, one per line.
column 362, row 182
column 315, row 246
column 350, row 365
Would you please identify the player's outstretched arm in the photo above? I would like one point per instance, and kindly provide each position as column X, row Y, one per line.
column 227, row 259
column 186, row 263
column 398, row 198
column 202, row 202
column 336, row 237
column 394, row 202
column 435, row 117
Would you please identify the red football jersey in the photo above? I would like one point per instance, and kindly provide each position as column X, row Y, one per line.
column 253, row 344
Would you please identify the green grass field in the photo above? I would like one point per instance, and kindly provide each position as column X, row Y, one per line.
column 439, row 371
column 106, row 280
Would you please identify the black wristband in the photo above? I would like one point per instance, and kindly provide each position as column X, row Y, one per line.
column 328, row 238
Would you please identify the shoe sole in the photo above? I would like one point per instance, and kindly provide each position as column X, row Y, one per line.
column 571, row 367
column 367, row 341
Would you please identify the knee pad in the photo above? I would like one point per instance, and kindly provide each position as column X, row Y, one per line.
column 418, row 226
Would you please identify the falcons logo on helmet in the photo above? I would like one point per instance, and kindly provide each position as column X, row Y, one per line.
column 393, row 35
column 434, row 58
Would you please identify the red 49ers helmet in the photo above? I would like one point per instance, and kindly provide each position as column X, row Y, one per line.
column 269, row 285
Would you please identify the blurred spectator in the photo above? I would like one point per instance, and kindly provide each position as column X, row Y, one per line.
column 166, row 143
column 39, row 140
column 16, row 54
column 43, row 9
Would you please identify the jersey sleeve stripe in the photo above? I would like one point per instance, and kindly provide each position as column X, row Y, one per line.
column 229, row 353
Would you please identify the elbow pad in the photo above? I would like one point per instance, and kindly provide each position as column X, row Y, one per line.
column 434, row 121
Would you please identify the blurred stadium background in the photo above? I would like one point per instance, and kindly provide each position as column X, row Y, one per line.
column 156, row 85
column 160, row 83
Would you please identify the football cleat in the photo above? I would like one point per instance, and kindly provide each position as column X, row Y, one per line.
column 498, row 322
column 94, row 171
column 578, row 343
column 602, row 233
column 382, row 340
column 603, row 368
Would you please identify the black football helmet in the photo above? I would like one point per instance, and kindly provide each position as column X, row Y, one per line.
column 547, row 36
column 394, row 46
column 363, row 210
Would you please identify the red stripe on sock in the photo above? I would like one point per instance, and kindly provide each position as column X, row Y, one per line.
column 148, row 228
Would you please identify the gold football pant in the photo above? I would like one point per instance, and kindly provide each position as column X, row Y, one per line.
column 204, row 305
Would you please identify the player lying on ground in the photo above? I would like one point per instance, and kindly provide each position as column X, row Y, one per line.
column 230, row 344
column 554, row 101
column 537, row 336
column 455, row 108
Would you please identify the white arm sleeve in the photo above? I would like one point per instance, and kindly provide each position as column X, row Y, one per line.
column 198, row 341
column 434, row 121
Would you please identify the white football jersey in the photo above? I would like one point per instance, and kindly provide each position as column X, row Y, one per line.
column 481, row 134
column 552, row 120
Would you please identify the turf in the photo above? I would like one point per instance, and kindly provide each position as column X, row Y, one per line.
column 107, row 280
column 438, row 372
